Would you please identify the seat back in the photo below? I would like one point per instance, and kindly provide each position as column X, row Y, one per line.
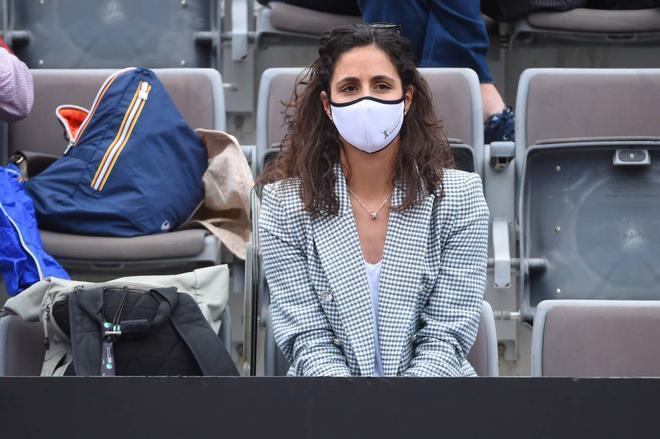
column 114, row 33
column 599, row 338
column 483, row 355
column 21, row 347
column 456, row 101
column 566, row 104
column 597, row 21
column 197, row 93
column 583, row 38
column 588, row 153
column 284, row 17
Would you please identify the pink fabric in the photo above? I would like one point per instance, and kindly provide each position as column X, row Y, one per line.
column 16, row 92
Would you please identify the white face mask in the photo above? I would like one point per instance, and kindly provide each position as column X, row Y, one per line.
column 369, row 124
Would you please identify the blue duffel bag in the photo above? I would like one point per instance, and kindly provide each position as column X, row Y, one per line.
column 134, row 167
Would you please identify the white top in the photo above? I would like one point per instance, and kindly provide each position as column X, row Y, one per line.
column 373, row 274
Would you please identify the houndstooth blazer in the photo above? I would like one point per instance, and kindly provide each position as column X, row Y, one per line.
column 431, row 287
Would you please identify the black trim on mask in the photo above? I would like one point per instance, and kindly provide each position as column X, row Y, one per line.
column 371, row 98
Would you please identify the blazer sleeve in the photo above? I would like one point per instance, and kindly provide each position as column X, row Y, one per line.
column 301, row 328
column 450, row 319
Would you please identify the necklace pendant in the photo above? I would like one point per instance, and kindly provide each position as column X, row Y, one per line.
column 373, row 215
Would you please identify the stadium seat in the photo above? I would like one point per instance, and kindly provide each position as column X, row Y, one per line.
column 21, row 347
column 198, row 95
column 597, row 21
column 456, row 100
column 587, row 160
column 22, row 344
column 596, row 338
column 114, row 33
column 283, row 17
column 583, row 38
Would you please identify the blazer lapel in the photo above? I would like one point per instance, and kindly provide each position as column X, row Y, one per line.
column 340, row 254
column 404, row 259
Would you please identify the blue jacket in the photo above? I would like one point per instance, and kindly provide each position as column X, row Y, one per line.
column 23, row 260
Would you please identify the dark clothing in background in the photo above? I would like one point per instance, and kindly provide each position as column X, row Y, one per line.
column 342, row 7
column 443, row 33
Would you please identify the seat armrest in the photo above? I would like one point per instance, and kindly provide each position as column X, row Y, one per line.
column 501, row 154
column 501, row 253
column 32, row 163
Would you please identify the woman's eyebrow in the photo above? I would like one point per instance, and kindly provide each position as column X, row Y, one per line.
column 348, row 79
column 381, row 78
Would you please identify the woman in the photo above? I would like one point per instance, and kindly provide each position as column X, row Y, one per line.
column 373, row 248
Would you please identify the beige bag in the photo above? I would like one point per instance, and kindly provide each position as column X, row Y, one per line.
column 209, row 287
column 227, row 185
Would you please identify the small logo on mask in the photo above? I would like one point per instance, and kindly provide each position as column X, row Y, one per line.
column 165, row 226
column 385, row 133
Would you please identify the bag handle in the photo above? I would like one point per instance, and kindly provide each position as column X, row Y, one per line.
column 86, row 317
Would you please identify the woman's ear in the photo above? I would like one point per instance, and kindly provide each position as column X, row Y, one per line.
column 325, row 100
column 408, row 98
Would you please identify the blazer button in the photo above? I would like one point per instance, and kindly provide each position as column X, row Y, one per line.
column 326, row 296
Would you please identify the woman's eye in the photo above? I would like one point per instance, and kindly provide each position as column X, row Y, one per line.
column 348, row 89
column 383, row 87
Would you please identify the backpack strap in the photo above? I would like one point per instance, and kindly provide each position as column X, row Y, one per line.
column 205, row 345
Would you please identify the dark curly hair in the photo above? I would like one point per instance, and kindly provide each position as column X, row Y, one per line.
column 311, row 145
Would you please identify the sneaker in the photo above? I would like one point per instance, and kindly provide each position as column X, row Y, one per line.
column 500, row 127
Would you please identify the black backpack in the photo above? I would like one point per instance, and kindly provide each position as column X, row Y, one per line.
column 132, row 331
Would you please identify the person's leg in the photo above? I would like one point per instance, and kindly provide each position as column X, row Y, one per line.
column 492, row 101
column 412, row 15
column 456, row 36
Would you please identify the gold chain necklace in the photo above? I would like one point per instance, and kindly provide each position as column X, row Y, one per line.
column 372, row 213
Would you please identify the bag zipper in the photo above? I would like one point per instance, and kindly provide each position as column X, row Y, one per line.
column 22, row 242
column 123, row 135
column 104, row 88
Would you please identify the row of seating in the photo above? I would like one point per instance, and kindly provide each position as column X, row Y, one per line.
column 570, row 338
column 583, row 164
column 296, row 19
column 580, row 37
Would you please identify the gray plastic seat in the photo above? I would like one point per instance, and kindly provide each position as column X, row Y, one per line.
column 198, row 95
column 113, row 33
column 583, row 38
column 582, row 20
column 483, row 356
column 21, row 347
column 587, row 160
column 596, row 338
column 290, row 18
column 456, row 100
